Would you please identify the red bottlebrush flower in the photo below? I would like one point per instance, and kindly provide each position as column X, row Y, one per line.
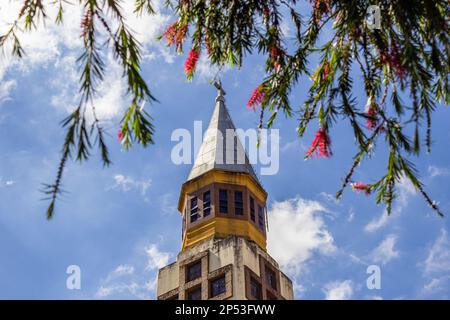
column 120, row 135
column 191, row 63
column 400, row 70
column 396, row 61
column 256, row 98
column 361, row 187
column 321, row 145
column 170, row 33
column 320, row 7
column 384, row 58
column 326, row 70
column 266, row 12
column 207, row 46
column 372, row 118
column 372, row 114
column 85, row 23
column 393, row 60
column 276, row 56
column 175, row 34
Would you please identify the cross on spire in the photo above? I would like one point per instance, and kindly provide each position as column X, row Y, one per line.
column 218, row 84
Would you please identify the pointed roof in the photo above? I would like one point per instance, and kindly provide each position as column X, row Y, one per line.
column 218, row 150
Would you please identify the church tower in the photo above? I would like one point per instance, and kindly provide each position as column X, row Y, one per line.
column 224, row 225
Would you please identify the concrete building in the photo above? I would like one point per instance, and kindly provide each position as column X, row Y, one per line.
column 223, row 208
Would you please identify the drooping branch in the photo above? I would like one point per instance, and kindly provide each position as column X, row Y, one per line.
column 406, row 57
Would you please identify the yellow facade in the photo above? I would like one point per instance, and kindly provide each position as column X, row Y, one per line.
column 237, row 178
column 222, row 226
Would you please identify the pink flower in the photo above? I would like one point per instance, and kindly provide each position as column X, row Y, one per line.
column 266, row 12
column 372, row 114
column 175, row 34
column 361, row 187
column 256, row 98
column 320, row 7
column 393, row 60
column 372, row 119
column 85, row 23
column 207, row 44
column 326, row 70
column 191, row 62
column 120, row 135
column 276, row 55
column 321, row 145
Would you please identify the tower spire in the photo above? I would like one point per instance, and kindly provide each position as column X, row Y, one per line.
column 221, row 148
column 224, row 242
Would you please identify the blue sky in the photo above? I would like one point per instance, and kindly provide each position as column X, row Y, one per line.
column 120, row 224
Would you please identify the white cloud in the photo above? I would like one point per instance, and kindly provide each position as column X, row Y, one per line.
column 138, row 280
column 290, row 145
column 65, row 83
column 436, row 267
column 60, row 45
column 155, row 258
column 5, row 89
column 329, row 197
column 168, row 204
column 377, row 223
column 299, row 289
column 338, row 290
column 46, row 43
column 205, row 71
column 436, row 284
column 132, row 288
column 434, row 171
column 351, row 215
column 438, row 259
column 297, row 231
column 385, row 252
column 6, row 183
column 147, row 29
column 405, row 191
column 110, row 101
column 124, row 269
column 127, row 183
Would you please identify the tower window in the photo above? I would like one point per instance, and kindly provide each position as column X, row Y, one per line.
column 255, row 288
column 194, row 271
column 217, row 286
column 238, row 203
column 206, row 203
column 271, row 278
column 223, row 201
column 194, row 209
column 260, row 217
column 252, row 209
column 195, row 294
